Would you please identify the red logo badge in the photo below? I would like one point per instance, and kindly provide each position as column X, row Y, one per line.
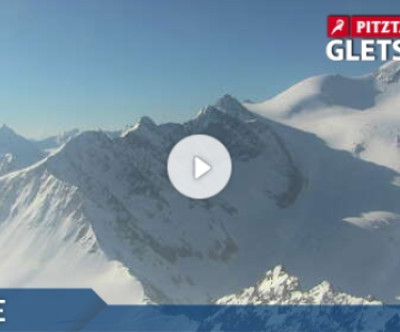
column 338, row 26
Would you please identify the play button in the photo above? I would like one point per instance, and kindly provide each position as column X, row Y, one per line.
column 199, row 166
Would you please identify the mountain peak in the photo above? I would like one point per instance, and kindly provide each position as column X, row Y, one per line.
column 16, row 152
column 4, row 129
column 233, row 107
column 280, row 287
column 8, row 135
column 146, row 121
column 227, row 98
column 227, row 101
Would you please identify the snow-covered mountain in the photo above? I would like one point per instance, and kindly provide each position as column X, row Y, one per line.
column 277, row 302
column 16, row 152
column 279, row 287
column 360, row 114
column 101, row 212
column 274, row 303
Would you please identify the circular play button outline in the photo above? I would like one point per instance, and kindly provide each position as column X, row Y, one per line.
column 199, row 166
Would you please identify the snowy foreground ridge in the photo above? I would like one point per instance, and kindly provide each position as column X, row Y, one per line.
column 315, row 188
column 278, row 287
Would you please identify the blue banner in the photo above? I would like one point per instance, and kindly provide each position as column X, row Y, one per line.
column 83, row 310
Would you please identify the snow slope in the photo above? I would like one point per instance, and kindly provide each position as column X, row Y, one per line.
column 101, row 211
column 16, row 152
column 45, row 240
column 360, row 115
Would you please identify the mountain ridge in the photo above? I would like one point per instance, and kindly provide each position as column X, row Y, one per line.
column 170, row 249
column 278, row 287
column 104, row 208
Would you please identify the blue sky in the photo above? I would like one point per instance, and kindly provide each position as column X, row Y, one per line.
column 103, row 64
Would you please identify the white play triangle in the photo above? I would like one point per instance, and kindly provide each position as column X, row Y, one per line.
column 200, row 167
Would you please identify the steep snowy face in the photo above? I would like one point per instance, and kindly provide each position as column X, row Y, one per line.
column 329, row 106
column 47, row 241
column 105, row 208
column 166, row 240
column 279, row 287
column 16, row 152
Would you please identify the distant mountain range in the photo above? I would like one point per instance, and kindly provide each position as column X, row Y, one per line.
column 16, row 152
